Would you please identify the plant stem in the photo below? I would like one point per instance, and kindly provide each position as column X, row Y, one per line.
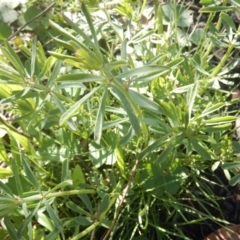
column 57, row 194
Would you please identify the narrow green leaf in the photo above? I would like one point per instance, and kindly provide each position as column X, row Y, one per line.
column 228, row 21
column 46, row 68
column 68, row 34
column 64, row 44
column 114, row 123
column 144, row 102
column 6, row 189
column 11, row 229
column 57, row 222
column 217, row 128
column 199, row 148
column 14, row 59
column 215, row 9
column 127, row 137
column 83, row 221
column 65, row 170
column 175, row 62
column 79, row 31
column 148, row 69
column 80, row 77
column 191, row 95
column 141, row 36
column 85, row 199
column 60, row 185
column 76, row 208
column 115, row 64
column 165, row 154
column 33, row 180
column 236, row 179
column 98, row 128
column 129, row 109
column 120, row 161
column 167, row 110
column 71, row 111
column 153, row 147
column 219, row 120
column 53, row 235
column 70, row 84
column 10, row 73
column 211, row 108
column 104, row 205
column 62, row 109
column 198, row 67
column 55, row 73
column 230, row 165
column 17, row 177
column 61, row 56
column 44, row 221
column 90, row 24
column 27, row 220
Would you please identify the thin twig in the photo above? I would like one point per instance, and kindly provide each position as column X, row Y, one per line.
column 30, row 21
column 125, row 191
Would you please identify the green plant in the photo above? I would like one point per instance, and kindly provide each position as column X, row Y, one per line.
column 112, row 125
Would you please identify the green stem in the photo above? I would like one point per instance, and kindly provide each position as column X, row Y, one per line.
column 57, row 194
column 209, row 49
column 223, row 60
column 86, row 231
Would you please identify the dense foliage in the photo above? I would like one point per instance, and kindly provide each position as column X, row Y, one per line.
column 117, row 113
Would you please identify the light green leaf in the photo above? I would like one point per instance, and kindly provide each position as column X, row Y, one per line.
column 57, row 222
column 217, row 128
column 44, row 221
column 211, row 108
column 80, row 77
column 78, row 176
column 219, row 120
column 5, row 172
column 144, row 101
column 148, row 69
column 72, row 110
column 68, row 34
column 120, row 161
column 62, row 108
column 18, row 182
column 14, row 59
column 114, row 65
column 191, row 95
column 98, row 128
column 60, row 185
